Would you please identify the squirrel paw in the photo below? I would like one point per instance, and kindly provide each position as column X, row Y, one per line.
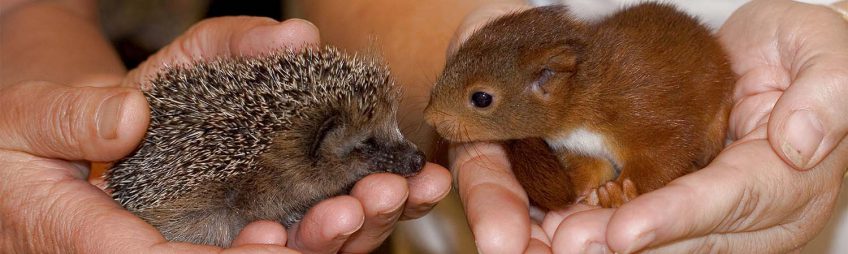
column 611, row 194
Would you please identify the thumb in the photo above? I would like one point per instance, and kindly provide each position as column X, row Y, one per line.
column 85, row 123
column 227, row 37
column 810, row 119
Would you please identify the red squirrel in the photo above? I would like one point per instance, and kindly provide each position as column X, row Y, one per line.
column 625, row 104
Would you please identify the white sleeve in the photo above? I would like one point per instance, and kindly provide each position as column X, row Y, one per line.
column 712, row 13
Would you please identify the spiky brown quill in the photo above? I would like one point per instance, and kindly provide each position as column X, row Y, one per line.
column 237, row 140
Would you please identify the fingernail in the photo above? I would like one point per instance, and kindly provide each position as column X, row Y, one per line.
column 346, row 235
column 109, row 116
column 302, row 22
column 803, row 133
column 595, row 248
column 292, row 34
column 641, row 242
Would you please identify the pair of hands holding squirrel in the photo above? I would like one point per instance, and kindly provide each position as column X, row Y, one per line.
column 788, row 98
column 48, row 205
column 771, row 190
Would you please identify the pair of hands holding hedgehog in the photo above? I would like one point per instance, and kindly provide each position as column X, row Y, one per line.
column 770, row 191
column 85, row 108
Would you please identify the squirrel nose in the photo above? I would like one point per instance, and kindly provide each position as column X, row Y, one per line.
column 433, row 116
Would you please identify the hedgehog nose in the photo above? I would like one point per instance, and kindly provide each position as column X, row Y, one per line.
column 413, row 162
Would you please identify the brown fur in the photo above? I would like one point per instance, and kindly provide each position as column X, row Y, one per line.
column 532, row 161
column 650, row 79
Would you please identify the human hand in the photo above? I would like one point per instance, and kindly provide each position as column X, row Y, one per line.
column 687, row 215
column 48, row 205
column 357, row 223
column 749, row 198
column 325, row 226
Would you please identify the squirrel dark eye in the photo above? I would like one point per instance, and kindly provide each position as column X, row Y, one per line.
column 481, row 99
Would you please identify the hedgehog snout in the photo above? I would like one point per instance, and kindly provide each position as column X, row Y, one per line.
column 403, row 159
column 411, row 163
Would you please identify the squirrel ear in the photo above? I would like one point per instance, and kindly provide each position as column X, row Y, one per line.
column 564, row 58
column 540, row 87
column 562, row 63
column 560, row 60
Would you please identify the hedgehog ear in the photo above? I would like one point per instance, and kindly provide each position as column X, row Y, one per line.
column 321, row 134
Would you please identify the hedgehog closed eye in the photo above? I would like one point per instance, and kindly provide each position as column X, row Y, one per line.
column 325, row 128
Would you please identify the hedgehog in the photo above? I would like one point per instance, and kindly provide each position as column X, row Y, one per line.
column 235, row 140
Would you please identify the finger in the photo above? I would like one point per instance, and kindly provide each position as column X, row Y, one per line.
column 259, row 248
column 495, row 204
column 227, row 37
column 382, row 197
column 86, row 123
column 261, row 232
column 716, row 199
column 809, row 119
column 583, row 232
column 327, row 225
column 292, row 34
column 554, row 218
column 480, row 17
column 754, row 216
column 426, row 189
column 751, row 112
column 539, row 242
column 752, row 242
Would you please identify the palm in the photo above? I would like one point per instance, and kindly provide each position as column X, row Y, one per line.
column 58, row 185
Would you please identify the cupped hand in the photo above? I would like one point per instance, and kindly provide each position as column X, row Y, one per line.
column 48, row 204
column 788, row 113
column 356, row 223
column 45, row 126
column 750, row 198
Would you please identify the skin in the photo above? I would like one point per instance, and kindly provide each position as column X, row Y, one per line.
column 53, row 85
column 755, row 196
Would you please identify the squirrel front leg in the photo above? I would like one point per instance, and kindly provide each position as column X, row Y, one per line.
column 547, row 183
column 555, row 180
